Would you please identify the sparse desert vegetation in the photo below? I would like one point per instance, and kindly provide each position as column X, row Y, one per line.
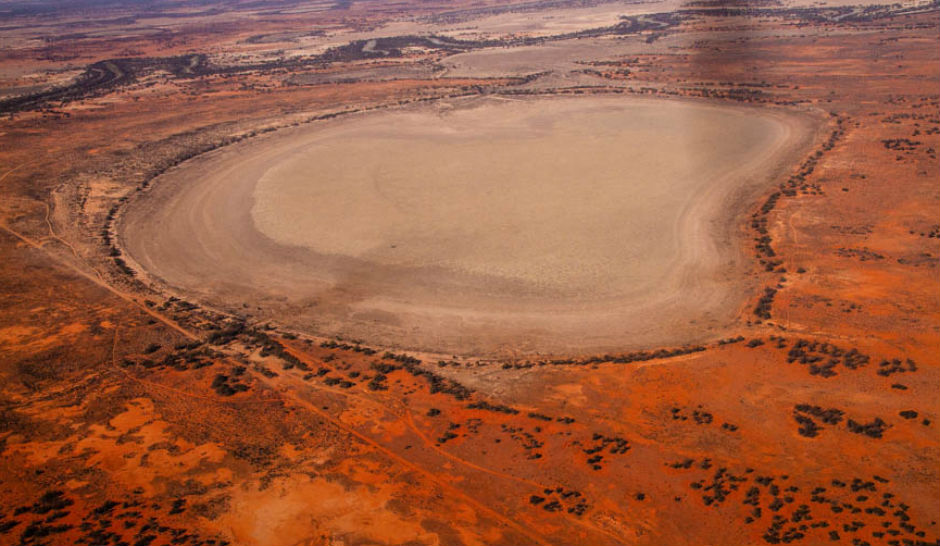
column 552, row 272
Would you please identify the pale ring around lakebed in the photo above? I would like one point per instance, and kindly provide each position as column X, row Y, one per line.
column 478, row 226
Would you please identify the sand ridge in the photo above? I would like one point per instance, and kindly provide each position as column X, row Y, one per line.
column 568, row 223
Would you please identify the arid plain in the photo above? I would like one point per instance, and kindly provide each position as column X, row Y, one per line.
column 553, row 272
column 476, row 225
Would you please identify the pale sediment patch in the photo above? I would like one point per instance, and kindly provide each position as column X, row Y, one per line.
column 551, row 224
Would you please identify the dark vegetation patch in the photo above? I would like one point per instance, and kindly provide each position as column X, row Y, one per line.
column 499, row 408
column 873, row 429
column 806, row 416
column 601, row 446
column 627, row 358
column 105, row 76
column 225, row 385
column 797, row 184
column 716, row 489
column 699, row 416
column 183, row 357
column 860, row 254
column 449, row 434
column 528, row 441
column 888, row 368
column 823, row 358
column 803, row 414
column 854, row 511
column 562, row 500
column 436, row 383
column 118, row 522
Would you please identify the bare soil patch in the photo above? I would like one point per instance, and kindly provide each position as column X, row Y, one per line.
column 562, row 224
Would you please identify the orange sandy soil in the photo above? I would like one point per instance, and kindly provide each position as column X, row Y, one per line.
column 130, row 417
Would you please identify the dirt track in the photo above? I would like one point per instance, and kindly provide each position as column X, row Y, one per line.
column 470, row 226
